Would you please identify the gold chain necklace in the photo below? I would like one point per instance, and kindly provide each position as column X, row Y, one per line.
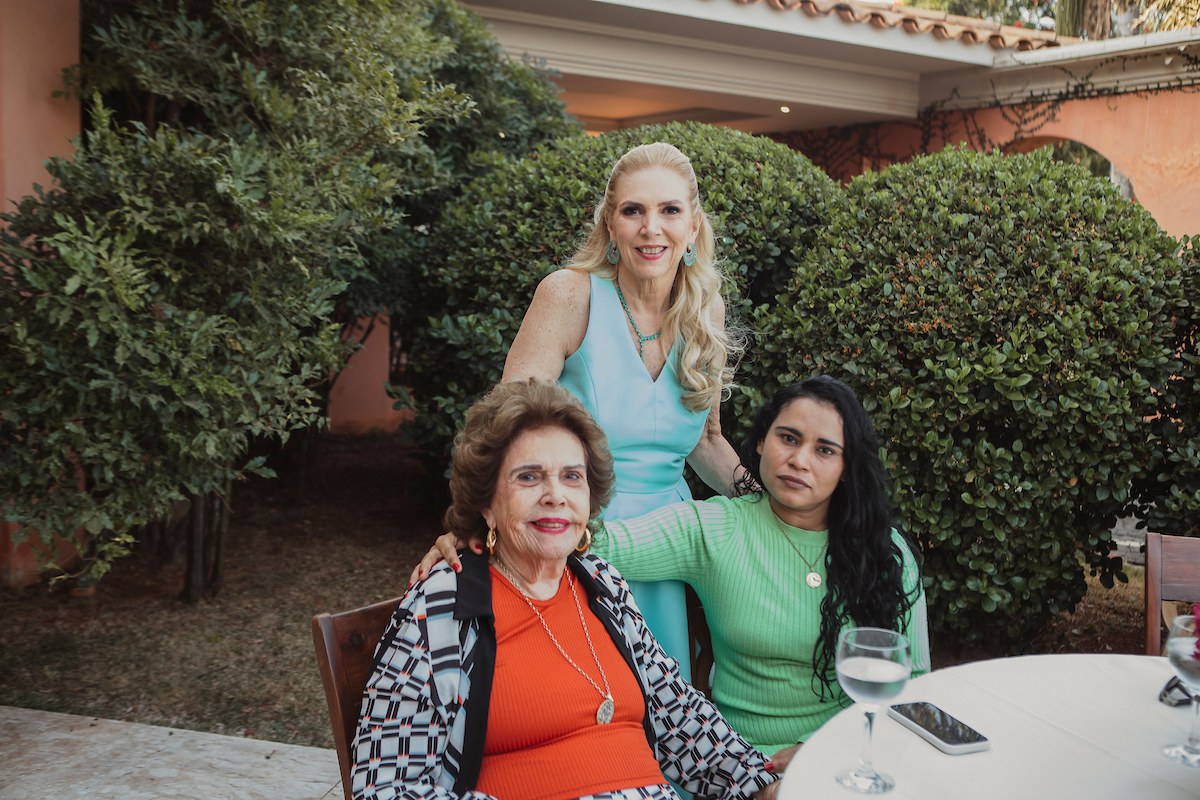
column 812, row 578
column 604, row 713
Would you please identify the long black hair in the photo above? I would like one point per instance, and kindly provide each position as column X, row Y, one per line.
column 864, row 565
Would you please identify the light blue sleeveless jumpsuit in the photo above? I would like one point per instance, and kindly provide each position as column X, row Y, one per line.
column 650, row 432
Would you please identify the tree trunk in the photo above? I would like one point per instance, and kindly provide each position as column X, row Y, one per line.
column 1097, row 19
column 150, row 539
column 210, row 524
column 217, row 576
column 1090, row 18
column 193, row 579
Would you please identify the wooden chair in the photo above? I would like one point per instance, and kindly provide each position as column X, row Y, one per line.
column 345, row 652
column 1172, row 573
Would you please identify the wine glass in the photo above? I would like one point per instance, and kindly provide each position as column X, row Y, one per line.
column 872, row 666
column 1184, row 656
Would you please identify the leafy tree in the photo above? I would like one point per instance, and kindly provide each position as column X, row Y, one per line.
column 1169, row 15
column 171, row 295
column 515, row 107
column 1006, row 12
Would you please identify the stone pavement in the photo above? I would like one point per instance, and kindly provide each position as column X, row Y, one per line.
column 44, row 755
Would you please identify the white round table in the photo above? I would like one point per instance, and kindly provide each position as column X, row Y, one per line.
column 1061, row 726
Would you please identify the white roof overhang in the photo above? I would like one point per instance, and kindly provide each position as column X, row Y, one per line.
column 630, row 62
column 1088, row 69
column 623, row 63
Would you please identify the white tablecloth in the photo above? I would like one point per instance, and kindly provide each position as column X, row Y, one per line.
column 1061, row 726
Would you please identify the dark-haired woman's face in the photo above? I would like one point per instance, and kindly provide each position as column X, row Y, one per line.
column 801, row 462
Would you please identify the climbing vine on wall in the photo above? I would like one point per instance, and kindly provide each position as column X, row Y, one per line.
column 848, row 151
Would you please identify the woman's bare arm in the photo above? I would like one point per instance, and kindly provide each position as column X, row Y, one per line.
column 713, row 457
column 553, row 328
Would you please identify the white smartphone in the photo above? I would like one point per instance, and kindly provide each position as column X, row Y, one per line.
column 939, row 728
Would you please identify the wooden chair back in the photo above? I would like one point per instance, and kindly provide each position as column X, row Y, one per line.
column 1172, row 573
column 345, row 645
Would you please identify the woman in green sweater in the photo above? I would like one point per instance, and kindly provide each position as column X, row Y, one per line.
column 782, row 572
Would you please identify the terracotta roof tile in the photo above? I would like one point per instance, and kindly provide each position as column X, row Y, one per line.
column 924, row 20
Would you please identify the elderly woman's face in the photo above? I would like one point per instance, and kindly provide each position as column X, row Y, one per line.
column 541, row 503
column 652, row 221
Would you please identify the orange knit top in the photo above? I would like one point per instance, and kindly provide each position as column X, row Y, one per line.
column 543, row 742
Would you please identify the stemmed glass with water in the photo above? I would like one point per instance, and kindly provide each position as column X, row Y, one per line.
column 1184, row 656
column 873, row 665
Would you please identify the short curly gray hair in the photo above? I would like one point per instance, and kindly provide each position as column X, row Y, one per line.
column 491, row 426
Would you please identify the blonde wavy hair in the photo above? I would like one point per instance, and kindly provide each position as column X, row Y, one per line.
column 708, row 351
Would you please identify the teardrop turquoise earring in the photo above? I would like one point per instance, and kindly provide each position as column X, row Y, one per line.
column 612, row 254
column 689, row 255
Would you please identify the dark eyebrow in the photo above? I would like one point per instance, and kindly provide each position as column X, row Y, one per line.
column 799, row 435
column 539, row 468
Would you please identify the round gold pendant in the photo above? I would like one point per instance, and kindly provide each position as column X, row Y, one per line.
column 813, row 580
column 604, row 713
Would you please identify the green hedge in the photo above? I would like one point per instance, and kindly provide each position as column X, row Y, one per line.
column 513, row 226
column 1169, row 494
column 1008, row 322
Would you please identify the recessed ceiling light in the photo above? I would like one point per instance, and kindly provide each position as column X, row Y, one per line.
column 785, row 109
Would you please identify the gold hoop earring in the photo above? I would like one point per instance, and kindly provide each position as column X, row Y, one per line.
column 587, row 541
column 490, row 541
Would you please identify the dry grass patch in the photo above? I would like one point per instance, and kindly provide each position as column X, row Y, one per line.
column 243, row 663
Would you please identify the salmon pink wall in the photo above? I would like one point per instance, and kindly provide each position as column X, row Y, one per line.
column 358, row 402
column 1152, row 138
column 38, row 38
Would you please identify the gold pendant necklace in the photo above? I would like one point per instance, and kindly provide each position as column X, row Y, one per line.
column 604, row 714
column 812, row 578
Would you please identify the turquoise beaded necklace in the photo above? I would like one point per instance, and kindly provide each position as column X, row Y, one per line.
column 641, row 339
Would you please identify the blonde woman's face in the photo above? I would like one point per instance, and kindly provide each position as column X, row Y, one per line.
column 652, row 222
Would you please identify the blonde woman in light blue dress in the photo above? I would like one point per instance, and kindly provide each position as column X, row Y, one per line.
column 634, row 326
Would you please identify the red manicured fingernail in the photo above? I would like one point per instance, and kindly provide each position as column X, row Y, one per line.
column 458, row 567
column 770, row 767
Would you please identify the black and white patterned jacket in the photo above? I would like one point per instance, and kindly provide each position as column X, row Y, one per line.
column 424, row 713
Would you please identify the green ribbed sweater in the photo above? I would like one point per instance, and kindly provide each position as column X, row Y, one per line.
column 764, row 618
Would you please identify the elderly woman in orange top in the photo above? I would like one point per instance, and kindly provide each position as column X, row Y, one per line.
column 531, row 674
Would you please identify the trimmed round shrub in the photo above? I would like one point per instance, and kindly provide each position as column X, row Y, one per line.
column 518, row 222
column 1169, row 495
column 1008, row 323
